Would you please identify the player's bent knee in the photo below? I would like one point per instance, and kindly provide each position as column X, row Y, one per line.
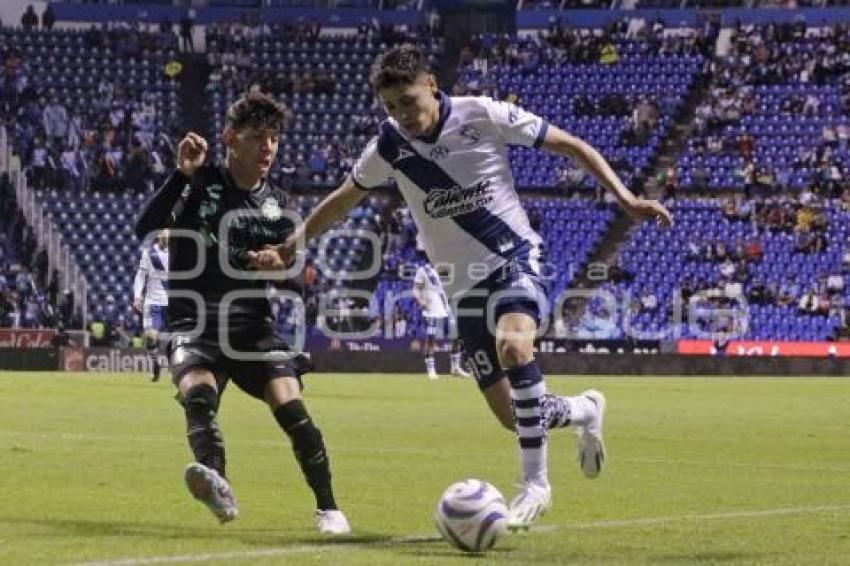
column 282, row 390
column 512, row 353
column 201, row 402
column 194, row 378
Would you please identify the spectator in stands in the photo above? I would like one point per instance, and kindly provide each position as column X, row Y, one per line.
column 41, row 164
column 648, row 300
column 788, row 291
column 645, row 114
column 608, row 54
column 759, row 294
column 727, row 268
column 671, row 183
column 6, row 309
column 746, row 146
column 748, row 175
column 754, row 250
column 843, row 135
column 714, row 145
column 729, row 210
column 809, row 302
column 804, row 240
column 186, row 28
column 138, row 171
column 811, row 106
column 48, row 18
column 695, row 251
column 29, row 21
column 829, row 136
column 55, row 120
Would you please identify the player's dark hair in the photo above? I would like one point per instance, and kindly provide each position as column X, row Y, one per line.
column 399, row 66
column 255, row 110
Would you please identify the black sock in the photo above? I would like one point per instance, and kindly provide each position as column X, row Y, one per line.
column 309, row 450
column 153, row 355
column 201, row 405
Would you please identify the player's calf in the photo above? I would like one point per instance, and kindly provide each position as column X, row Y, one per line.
column 200, row 403
column 152, row 346
column 309, row 448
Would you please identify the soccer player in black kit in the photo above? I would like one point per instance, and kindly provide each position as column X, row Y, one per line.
column 219, row 320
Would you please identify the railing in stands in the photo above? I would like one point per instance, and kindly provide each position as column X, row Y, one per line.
column 47, row 235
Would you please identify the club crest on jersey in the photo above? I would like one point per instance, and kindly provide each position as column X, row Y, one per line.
column 439, row 152
column 470, row 135
column 271, row 210
column 455, row 200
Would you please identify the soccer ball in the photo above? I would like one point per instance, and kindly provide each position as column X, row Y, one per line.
column 471, row 515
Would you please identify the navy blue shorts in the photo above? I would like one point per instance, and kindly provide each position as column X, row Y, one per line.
column 443, row 327
column 153, row 317
column 506, row 290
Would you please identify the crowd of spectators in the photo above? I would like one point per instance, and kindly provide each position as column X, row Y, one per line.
column 773, row 54
column 107, row 141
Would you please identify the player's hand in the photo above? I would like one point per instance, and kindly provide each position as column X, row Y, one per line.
column 273, row 258
column 644, row 209
column 191, row 153
column 138, row 304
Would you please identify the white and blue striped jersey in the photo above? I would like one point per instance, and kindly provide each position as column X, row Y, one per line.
column 152, row 276
column 459, row 187
column 433, row 298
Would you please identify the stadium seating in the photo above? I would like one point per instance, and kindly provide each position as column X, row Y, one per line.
column 552, row 88
column 321, row 119
column 780, row 135
column 659, row 260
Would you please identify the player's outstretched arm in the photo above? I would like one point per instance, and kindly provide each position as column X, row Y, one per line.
column 560, row 142
column 138, row 288
column 332, row 209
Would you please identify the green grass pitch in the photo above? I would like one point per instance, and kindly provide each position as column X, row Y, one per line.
column 700, row 471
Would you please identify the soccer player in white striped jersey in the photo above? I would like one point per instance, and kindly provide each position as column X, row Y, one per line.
column 150, row 295
column 449, row 158
column 439, row 320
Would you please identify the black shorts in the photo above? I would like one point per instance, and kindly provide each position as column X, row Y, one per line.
column 252, row 358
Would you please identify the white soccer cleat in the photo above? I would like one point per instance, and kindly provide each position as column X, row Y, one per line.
column 529, row 504
column 433, row 375
column 591, row 447
column 208, row 487
column 332, row 522
column 460, row 372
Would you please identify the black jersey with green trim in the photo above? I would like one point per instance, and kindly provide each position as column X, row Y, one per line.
column 214, row 223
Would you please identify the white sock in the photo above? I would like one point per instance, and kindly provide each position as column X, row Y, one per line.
column 430, row 366
column 455, row 358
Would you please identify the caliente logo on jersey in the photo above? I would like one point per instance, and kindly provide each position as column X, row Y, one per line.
column 442, row 202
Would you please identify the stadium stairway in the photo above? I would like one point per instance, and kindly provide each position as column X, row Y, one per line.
column 193, row 82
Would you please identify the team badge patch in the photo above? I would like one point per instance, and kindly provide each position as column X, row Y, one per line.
column 271, row 210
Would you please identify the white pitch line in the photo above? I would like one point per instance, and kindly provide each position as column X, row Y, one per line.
column 346, row 546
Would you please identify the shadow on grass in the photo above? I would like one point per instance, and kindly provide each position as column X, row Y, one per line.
column 271, row 537
column 717, row 557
